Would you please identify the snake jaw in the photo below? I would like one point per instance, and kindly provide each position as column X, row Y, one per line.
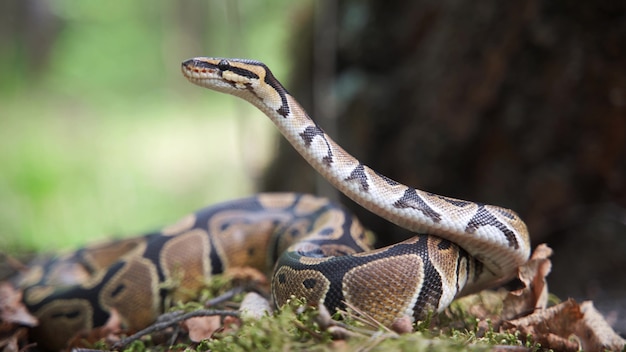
column 205, row 73
column 222, row 74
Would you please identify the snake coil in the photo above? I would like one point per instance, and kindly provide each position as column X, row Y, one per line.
column 320, row 251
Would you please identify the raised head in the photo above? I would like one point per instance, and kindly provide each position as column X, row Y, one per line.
column 249, row 79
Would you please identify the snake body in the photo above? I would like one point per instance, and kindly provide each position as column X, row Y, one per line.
column 320, row 251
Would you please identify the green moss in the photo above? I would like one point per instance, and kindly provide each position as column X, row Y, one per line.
column 296, row 327
column 300, row 327
column 136, row 346
column 293, row 328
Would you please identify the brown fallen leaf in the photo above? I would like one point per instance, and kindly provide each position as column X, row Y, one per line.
column 231, row 323
column 550, row 327
column 12, row 310
column 14, row 318
column 597, row 332
column 568, row 326
column 201, row 328
column 535, row 293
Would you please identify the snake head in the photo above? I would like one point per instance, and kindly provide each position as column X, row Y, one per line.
column 248, row 79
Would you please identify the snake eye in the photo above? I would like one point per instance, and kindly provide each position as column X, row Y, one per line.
column 223, row 65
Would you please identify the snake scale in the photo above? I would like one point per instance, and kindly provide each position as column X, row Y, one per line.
column 312, row 247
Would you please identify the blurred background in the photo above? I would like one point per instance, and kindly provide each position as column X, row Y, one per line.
column 520, row 104
column 100, row 133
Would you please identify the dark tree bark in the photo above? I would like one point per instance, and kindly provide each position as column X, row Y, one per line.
column 515, row 103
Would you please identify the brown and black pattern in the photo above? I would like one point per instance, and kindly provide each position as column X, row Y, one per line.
column 484, row 218
column 418, row 263
column 410, row 199
column 359, row 175
column 466, row 228
column 309, row 134
column 137, row 276
column 321, row 251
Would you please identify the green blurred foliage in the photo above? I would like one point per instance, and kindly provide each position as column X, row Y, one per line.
column 100, row 134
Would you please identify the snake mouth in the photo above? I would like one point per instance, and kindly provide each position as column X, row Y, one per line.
column 195, row 69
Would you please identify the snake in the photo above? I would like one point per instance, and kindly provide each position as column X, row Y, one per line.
column 312, row 248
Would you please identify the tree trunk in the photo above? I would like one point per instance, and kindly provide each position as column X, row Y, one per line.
column 516, row 103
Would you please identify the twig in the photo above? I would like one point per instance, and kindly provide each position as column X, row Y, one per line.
column 165, row 317
column 176, row 317
column 225, row 296
column 305, row 328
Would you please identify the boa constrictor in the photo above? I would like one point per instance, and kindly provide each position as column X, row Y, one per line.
column 319, row 250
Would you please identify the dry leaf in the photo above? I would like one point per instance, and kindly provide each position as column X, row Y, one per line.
column 565, row 327
column 201, row 328
column 535, row 293
column 568, row 327
column 14, row 318
column 12, row 310
column 231, row 323
column 550, row 327
column 597, row 332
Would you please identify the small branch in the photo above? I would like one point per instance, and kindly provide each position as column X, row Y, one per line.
column 224, row 297
column 176, row 317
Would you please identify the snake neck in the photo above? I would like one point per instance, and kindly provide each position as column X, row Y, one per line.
column 493, row 234
column 405, row 206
